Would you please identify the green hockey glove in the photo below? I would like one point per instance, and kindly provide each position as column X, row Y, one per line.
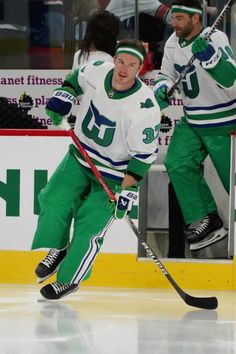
column 161, row 97
column 160, row 91
column 206, row 52
column 55, row 117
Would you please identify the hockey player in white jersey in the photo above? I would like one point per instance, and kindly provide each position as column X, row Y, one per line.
column 208, row 92
column 117, row 123
column 98, row 44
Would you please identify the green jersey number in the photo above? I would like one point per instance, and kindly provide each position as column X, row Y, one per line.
column 151, row 134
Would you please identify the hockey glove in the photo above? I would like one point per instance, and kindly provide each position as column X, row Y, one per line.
column 205, row 52
column 160, row 91
column 125, row 200
column 60, row 104
column 55, row 117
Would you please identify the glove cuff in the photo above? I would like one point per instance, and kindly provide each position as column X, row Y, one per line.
column 65, row 94
column 213, row 61
column 162, row 83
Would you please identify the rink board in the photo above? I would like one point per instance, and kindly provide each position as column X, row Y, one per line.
column 124, row 270
column 28, row 156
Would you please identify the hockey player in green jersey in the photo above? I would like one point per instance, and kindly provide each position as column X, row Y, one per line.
column 117, row 124
column 209, row 100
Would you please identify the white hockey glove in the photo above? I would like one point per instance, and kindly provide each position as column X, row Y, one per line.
column 124, row 203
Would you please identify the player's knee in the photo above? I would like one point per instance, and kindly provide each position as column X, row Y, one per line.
column 176, row 167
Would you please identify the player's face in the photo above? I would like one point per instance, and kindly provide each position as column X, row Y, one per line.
column 126, row 69
column 183, row 25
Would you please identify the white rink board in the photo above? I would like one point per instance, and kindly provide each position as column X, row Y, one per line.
column 30, row 153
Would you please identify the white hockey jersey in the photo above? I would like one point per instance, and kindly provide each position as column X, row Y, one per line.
column 206, row 103
column 92, row 56
column 117, row 128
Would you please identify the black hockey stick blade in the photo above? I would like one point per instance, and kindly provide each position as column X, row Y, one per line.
column 207, row 303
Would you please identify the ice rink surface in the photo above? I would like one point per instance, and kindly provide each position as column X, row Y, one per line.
column 114, row 321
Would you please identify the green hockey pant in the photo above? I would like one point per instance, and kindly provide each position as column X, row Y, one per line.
column 72, row 194
column 185, row 155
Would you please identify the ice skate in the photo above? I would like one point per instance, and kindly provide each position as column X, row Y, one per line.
column 212, row 238
column 56, row 290
column 49, row 265
column 210, row 223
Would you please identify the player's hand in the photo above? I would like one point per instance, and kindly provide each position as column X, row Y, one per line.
column 60, row 104
column 202, row 49
column 124, row 203
column 161, row 96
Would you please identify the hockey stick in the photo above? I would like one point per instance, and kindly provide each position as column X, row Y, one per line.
column 191, row 60
column 209, row 303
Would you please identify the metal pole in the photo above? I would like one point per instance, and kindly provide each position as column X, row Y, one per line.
column 136, row 21
column 204, row 13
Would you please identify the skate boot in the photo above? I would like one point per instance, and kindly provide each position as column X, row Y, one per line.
column 209, row 231
column 49, row 265
column 56, row 290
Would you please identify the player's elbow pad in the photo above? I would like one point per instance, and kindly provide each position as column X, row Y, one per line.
column 62, row 101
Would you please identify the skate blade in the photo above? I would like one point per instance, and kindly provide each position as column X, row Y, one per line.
column 218, row 236
column 41, row 298
column 41, row 280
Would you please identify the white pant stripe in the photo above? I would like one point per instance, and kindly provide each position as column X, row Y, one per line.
column 89, row 257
